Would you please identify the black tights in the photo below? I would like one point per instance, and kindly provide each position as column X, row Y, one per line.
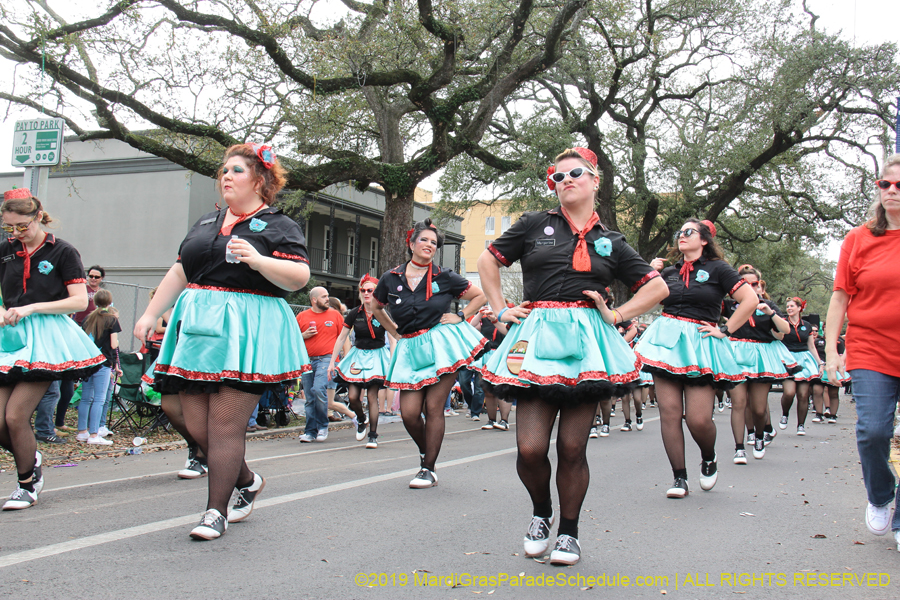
column 17, row 403
column 218, row 422
column 354, row 393
column 491, row 401
column 801, row 389
column 428, row 434
column 534, row 426
column 696, row 404
column 755, row 395
column 171, row 405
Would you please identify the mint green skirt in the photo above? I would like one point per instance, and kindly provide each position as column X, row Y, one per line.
column 764, row 361
column 672, row 347
column 809, row 366
column 243, row 340
column 364, row 367
column 564, row 355
column 46, row 348
column 419, row 361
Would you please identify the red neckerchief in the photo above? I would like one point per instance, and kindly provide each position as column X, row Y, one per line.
column 226, row 229
column 428, row 279
column 26, row 273
column 581, row 260
column 369, row 321
column 685, row 272
column 796, row 327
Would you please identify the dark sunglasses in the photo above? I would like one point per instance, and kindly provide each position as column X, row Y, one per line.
column 575, row 173
column 753, row 284
column 20, row 227
column 95, row 276
column 368, row 291
column 685, row 233
column 886, row 185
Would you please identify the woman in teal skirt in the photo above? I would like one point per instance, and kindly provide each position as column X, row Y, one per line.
column 432, row 343
column 231, row 335
column 764, row 359
column 562, row 352
column 687, row 353
column 802, row 346
column 42, row 280
column 366, row 364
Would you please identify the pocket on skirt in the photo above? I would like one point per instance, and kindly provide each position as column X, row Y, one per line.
column 12, row 338
column 421, row 353
column 366, row 361
column 204, row 319
column 558, row 341
column 665, row 339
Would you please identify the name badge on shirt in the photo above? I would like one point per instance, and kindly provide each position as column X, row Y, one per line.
column 545, row 242
column 208, row 221
column 8, row 258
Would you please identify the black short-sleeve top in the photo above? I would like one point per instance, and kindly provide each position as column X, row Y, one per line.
column 820, row 347
column 356, row 320
column 797, row 339
column 701, row 297
column 760, row 326
column 544, row 244
column 271, row 232
column 53, row 266
column 409, row 309
column 490, row 333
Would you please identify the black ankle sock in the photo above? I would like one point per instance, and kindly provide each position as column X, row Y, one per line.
column 544, row 509
column 27, row 485
column 738, row 446
column 680, row 473
column 707, row 458
column 568, row 527
column 768, row 429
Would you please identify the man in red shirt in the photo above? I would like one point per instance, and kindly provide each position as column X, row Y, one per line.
column 320, row 325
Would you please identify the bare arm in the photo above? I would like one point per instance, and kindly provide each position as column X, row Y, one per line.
column 171, row 287
column 489, row 272
column 76, row 301
column 338, row 346
column 837, row 312
column 286, row 274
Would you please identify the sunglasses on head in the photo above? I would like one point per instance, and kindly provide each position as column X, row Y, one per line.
column 685, row 233
column 19, row 227
column 886, row 185
column 575, row 173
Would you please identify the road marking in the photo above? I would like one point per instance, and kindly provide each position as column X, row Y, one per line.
column 130, row 532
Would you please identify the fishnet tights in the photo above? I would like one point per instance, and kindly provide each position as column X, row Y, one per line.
column 218, row 422
column 696, row 404
column 354, row 394
column 534, row 426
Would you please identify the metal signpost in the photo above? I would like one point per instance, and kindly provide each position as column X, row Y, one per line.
column 37, row 146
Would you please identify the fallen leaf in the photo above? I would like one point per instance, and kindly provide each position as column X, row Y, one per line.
column 746, row 514
column 522, row 574
column 491, row 592
column 858, row 543
column 584, row 589
column 663, row 592
column 540, row 561
column 324, row 561
column 818, row 536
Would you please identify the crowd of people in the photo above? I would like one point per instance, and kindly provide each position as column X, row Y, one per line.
column 222, row 337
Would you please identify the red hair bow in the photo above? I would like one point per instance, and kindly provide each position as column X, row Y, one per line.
column 265, row 154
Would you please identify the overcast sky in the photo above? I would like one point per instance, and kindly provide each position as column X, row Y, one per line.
column 865, row 21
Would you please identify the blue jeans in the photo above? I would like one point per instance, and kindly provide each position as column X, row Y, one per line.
column 253, row 415
column 473, row 394
column 43, row 419
column 876, row 397
column 93, row 400
column 315, row 383
column 109, row 392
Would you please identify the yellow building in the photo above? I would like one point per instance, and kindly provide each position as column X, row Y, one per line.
column 481, row 225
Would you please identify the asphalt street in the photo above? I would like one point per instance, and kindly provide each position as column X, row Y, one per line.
column 339, row 521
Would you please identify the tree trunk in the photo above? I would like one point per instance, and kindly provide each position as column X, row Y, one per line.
column 398, row 219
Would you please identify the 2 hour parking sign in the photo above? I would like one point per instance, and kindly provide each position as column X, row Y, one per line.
column 37, row 142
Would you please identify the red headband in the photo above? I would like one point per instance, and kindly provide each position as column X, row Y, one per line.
column 367, row 278
column 712, row 228
column 799, row 302
column 265, row 154
column 17, row 194
column 583, row 153
column 410, row 232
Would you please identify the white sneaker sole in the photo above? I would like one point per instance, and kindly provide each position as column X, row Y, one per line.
column 563, row 558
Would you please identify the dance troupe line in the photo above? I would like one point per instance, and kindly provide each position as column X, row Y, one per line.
column 562, row 355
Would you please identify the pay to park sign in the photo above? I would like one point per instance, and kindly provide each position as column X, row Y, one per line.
column 37, row 142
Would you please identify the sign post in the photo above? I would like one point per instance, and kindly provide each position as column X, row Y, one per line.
column 37, row 146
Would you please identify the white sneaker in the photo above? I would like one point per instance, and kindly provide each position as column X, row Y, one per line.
column 424, row 479
column 99, row 441
column 537, row 538
column 878, row 518
column 322, row 436
column 38, row 472
column 103, row 432
column 783, row 423
column 20, row 499
column 82, row 437
column 897, row 538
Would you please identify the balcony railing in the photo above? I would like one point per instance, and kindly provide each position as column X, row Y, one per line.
column 340, row 264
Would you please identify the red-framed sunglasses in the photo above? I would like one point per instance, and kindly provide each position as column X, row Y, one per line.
column 886, row 185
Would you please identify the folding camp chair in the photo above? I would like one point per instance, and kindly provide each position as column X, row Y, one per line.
column 137, row 410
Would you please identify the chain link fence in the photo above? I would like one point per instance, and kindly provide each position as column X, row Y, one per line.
column 131, row 301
